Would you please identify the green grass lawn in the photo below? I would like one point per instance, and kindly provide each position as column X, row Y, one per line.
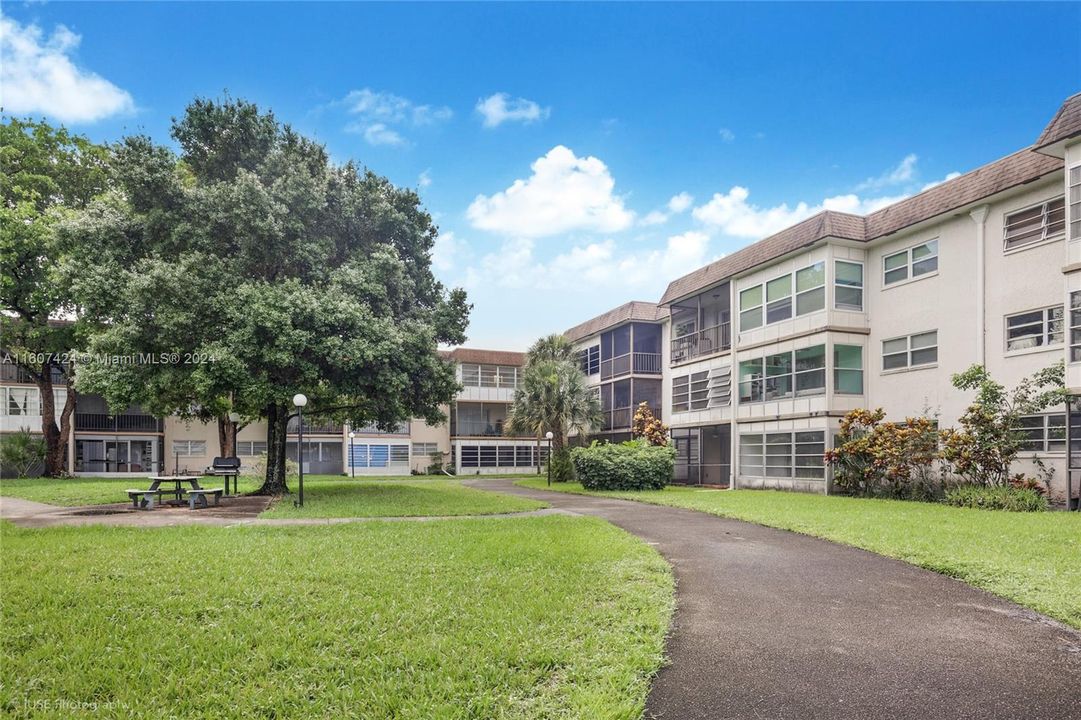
column 551, row 617
column 397, row 497
column 1033, row 559
column 324, row 495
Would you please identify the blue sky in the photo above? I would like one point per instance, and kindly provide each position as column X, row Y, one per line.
column 579, row 156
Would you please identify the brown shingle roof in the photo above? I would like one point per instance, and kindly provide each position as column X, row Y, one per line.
column 1065, row 124
column 486, row 357
column 634, row 310
column 807, row 232
column 1016, row 169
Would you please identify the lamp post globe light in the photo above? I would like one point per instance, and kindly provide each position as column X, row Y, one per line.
column 548, row 436
column 352, row 465
column 300, row 400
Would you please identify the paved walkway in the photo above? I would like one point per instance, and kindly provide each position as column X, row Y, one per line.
column 775, row 625
column 233, row 511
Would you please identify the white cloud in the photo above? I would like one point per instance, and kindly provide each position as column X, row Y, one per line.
column 425, row 178
column 593, row 266
column 680, row 202
column 656, row 217
column 37, row 75
column 500, row 108
column 726, row 135
column 733, row 215
column 564, row 193
column 949, row 176
column 380, row 134
column 447, row 251
column 377, row 112
column 904, row 172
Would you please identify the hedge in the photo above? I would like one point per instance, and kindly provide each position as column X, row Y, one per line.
column 633, row 465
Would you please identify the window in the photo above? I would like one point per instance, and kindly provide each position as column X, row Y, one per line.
column 1075, row 202
column 471, row 375
column 250, row 448
column 1043, row 433
column 783, row 454
column 779, row 299
column 24, row 401
column 913, row 262
column 783, row 375
column 488, row 376
column 1034, row 224
column 681, row 393
column 505, row 376
column 911, row 351
column 189, row 448
column 1036, row 328
column 848, row 286
column 425, row 450
column 750, row 308
column 1075, row 327
column 848, row 369
column 811, row 289
column 589, row 360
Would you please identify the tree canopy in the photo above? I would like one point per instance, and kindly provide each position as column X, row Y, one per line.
column 252, row 268
column 48, row 173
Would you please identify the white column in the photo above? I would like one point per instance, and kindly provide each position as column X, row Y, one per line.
column 979, row 216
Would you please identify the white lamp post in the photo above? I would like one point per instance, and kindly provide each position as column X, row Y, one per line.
column 300, row 400
column 352, row 465
column 548, row 436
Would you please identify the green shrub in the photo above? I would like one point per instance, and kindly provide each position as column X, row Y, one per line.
column 633, row 465
column 562, row 467
column 983, row 497
column 22, row 452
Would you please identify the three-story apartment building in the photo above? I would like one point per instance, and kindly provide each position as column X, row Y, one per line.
column 755, row 358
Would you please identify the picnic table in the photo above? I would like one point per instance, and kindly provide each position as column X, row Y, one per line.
column 145, row 498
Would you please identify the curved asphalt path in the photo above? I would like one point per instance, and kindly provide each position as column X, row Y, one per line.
column 775, row 625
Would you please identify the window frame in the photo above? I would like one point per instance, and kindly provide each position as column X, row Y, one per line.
column 1074, row 327
column 794, row 441
column 837, row 284
column 1045, row 439
column 768, row 378
column 790, row 301
column 1045, row 335
column 188, row 452
column 910, row 263
column 908, row 351
column 1046, row 235
column 1073, row 203
column 838, row 370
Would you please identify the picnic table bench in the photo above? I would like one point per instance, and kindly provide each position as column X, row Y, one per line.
column 199, row 496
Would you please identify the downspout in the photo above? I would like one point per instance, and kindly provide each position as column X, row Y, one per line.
column 979, row 216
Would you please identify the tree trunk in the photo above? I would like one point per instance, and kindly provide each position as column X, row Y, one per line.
column 226, row 437
column 65, row 423
column 277, row 417
column 55, row 462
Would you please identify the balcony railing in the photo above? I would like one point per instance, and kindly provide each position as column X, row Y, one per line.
column 314, row 427
column 619, row 419
column 12, row 372
column 133, row 422
column 371, row 429
column 643, row 363
column 704, row 342
column 480, row 428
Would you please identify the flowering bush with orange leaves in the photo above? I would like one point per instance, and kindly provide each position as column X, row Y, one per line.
column 875, row 458
column 648, row 427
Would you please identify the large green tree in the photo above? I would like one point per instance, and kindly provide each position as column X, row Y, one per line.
column 46, row 173
column 252, row 268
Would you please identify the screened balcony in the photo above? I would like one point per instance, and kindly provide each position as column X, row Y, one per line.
column 631, row 348
column 92, row 415
column 702, row 325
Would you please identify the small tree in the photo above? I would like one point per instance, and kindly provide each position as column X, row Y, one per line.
column 875, row 458
column 22, row 451
column 988, row 441
column 648, row 427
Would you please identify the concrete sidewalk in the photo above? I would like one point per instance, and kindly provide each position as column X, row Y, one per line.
column 775, row 625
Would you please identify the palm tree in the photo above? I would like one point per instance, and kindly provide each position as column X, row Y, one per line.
column 554, row 348
column 554, row 396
